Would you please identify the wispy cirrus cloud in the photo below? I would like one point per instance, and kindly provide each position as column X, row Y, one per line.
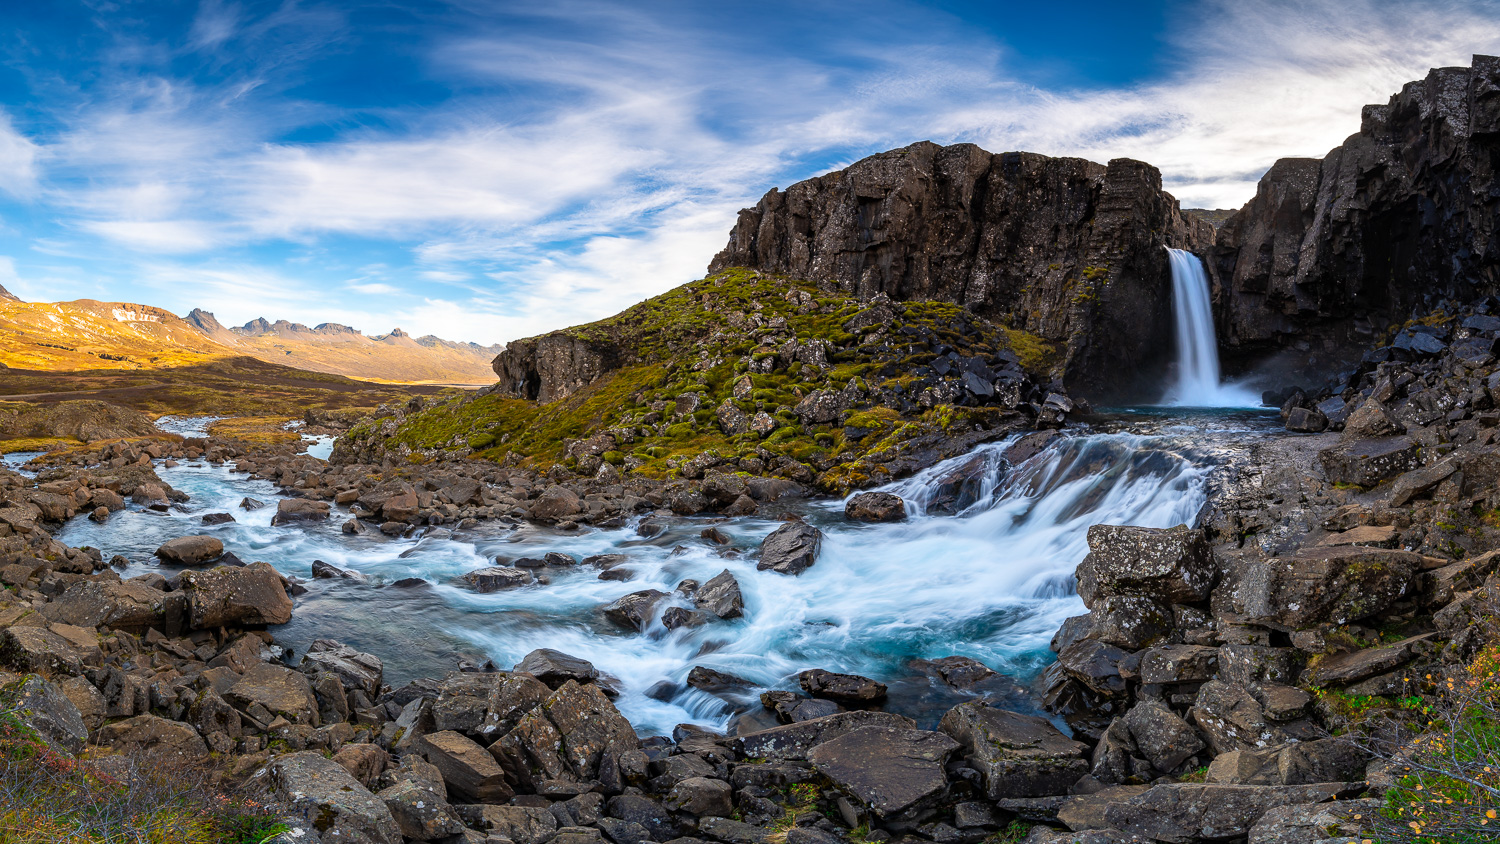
column 514, row 169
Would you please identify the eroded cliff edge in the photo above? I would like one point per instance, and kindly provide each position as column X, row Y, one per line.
column 1066, row 249
column 1399, row 220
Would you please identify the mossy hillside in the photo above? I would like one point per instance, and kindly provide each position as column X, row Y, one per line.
column 725, row 340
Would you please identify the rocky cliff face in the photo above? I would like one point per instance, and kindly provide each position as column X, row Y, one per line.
column 1401, row 217
column 1062, row 248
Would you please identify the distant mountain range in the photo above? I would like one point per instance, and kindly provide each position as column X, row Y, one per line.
column 87, row 334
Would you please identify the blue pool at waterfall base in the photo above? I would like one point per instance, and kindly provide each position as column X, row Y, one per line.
column 991, row 581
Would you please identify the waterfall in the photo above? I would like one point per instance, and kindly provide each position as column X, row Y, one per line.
column 1198, row 383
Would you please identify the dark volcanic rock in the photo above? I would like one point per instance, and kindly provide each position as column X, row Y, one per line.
column 890, row 771
column 555, row 668
column 1402, row 214
column 875, row 507
column 1014, row 233
column 843, row 688
column 790, row 549
column 1016, row 755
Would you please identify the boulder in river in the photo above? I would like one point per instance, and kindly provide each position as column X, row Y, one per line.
column 634, row 610
column 843, row 688
column 790, row 549
column 229, row 596
column 875, row 507
column 555, row 668
column 290, row 510
column 721, row 596
column 495, row 578
column 189, row 550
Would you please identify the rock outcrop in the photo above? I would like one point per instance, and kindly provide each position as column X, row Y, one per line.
column 1401, row 216
column 1065, row 249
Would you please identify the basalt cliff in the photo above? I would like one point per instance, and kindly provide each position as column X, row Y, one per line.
column 1069, row 250
column 1398, row 221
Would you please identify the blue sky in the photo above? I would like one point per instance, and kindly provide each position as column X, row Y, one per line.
column 491, row 170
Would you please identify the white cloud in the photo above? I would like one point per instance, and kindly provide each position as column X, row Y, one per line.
column 18, row 165
column 622, row 179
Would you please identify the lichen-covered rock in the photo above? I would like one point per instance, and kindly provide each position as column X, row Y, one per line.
column 280, row 690
column 892, row 772
column 131, row 606
column 226, row 596
column 330, row 800
column 486, row 705
column 565, row 738
column 169, row 742
column 1016, row 755
column 46, row 709
column 190, row 550
column 354, row 669
column 1367, row 462
column 1171, row 565
column 795, row 741
column 1318, row 585
column 1186, row 813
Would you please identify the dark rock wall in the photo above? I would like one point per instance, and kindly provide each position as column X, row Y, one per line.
column 1066, row 249
column 1329, row 254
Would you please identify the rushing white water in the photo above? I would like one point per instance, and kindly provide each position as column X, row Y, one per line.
column 1198, row 381
column 983, row 568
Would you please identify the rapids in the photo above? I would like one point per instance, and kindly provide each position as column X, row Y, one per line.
column 982, row 568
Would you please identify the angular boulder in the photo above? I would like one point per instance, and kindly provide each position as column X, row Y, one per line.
column 289, row 510
column 875, row 507
column 1367, row 462
column 354, row 669
column 279, row 689
column 1319, row 585
column 1172, row 565
column 495, row 578
column 131, row 606
column 169, row 742
column 554, row 668
column 565, row 738
column 790, row 549
column 721, row 596
column 471, row 773
column 842, row 688
column 189, row 550
column 892, row 772
column 1016, row 755
column 486, row 705
column 796, row 741
column 634, row 611
column 1187, row 813
column 332, row 801
column 226, row 596
column 49, row 711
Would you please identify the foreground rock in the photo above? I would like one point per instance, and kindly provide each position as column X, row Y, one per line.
column 190, row 550
column 330, row 799
column 790, row 549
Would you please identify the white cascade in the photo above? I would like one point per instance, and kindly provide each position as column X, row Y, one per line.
column 1198, row 383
